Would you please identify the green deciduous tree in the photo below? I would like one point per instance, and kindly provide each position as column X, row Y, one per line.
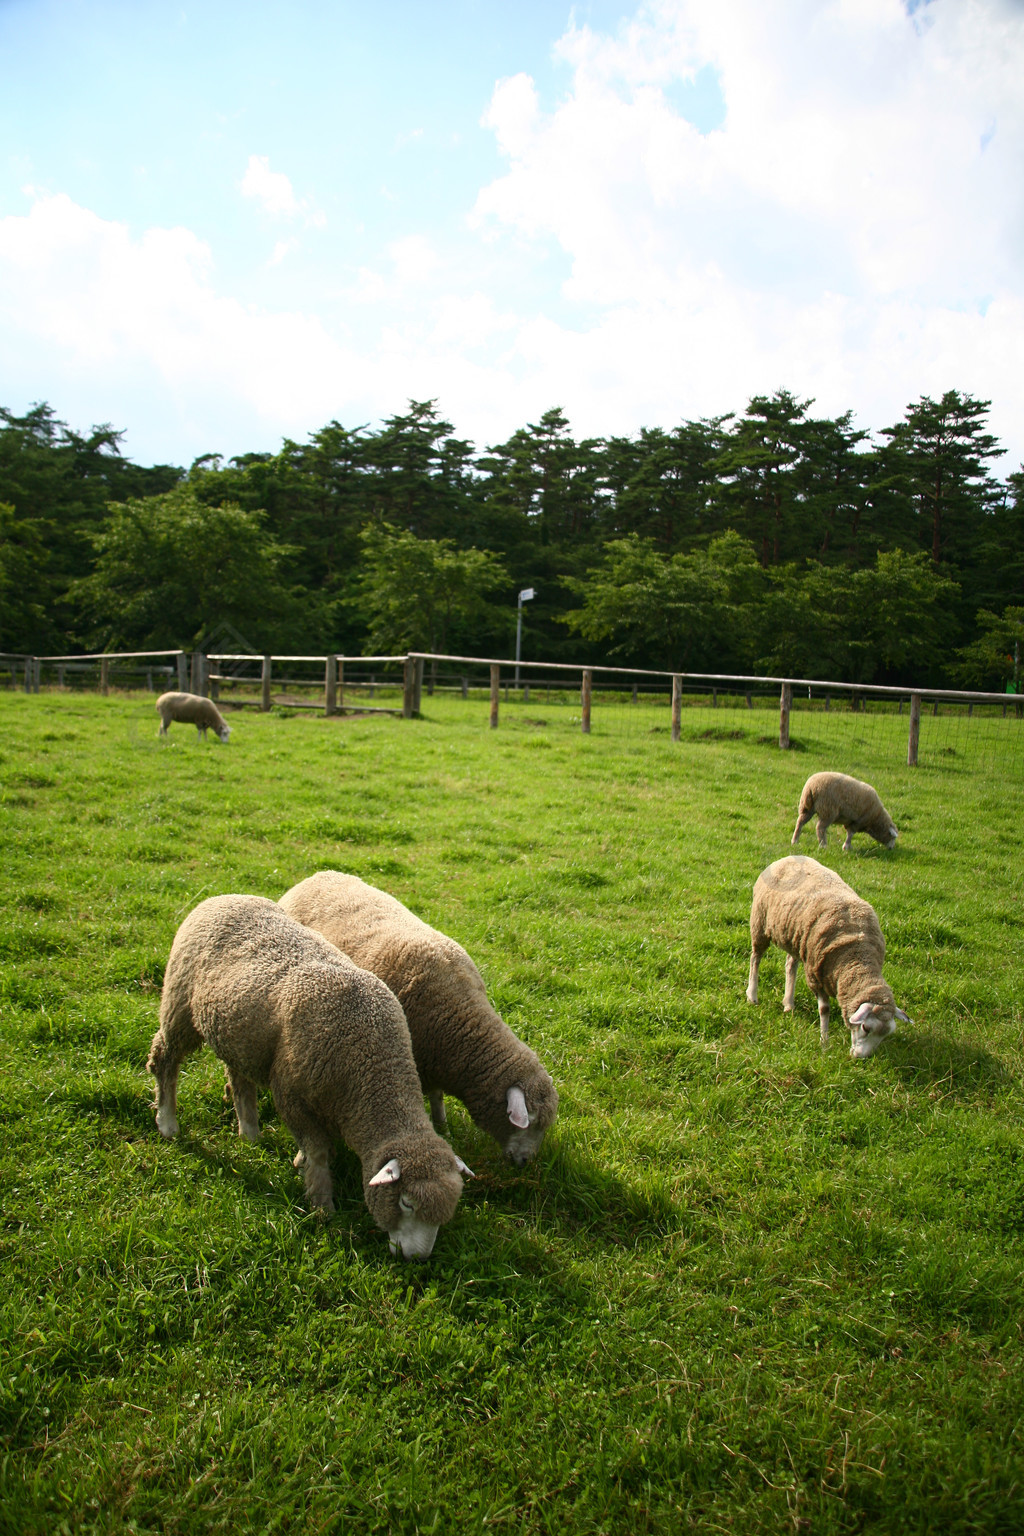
column 23, row 582
column 895, row 618
column 415, row 594
column 169, row 569
column 695, row 611
column 996, row 656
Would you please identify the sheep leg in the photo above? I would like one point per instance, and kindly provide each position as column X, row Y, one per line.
column 823, row 1012
column 314, row 1147
column 821, row 826
column 755, row 961
column 437, row 1114
column 849, row 840
column 317, row 1177
column 789, row 996
column 173, row 1041
column 243, row 1092
column 801, row 822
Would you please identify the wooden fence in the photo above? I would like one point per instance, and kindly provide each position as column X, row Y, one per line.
column 207, row 674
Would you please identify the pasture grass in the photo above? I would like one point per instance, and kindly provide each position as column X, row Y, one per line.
column 748, row 1286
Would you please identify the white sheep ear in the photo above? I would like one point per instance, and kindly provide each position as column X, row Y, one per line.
column 517, row 1111
column 903, row 1017
column 464, row 1167
column 864, row 1012
column 389, row 1174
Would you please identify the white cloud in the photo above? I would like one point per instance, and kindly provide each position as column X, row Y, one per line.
column 851, row 231
column 843, row 233
column 89, row 298
column 274, row 190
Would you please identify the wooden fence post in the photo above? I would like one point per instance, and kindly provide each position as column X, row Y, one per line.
column 104, row 676
column 180, row 659
column 341, row 687
column 677, row 705
column 785, row 703
column 465, row 687
column 750, row 702
column 915, row 729
column 714, row 698
column 408, row 688
column 418, row 685
column 214, row 688
column 586, row 689
column 28, row 681
column 495, row 694
column 60, row 679
column 526, row 693
column 331, row 686
column 265, row 683
column 37, row 675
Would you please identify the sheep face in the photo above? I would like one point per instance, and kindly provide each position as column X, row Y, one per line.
column 870, row 1024
column 411, row 1209
column 894, row 833
column 225, row 733
column 528, row 1118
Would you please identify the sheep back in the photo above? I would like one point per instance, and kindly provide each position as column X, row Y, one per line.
column 460, row 1043
column 836, row 797
column 192, row 709
column 280, row 1005
column 809, row 911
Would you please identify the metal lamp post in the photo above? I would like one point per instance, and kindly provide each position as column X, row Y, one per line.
column 525, row 596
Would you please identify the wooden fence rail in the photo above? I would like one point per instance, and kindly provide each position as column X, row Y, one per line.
column 206, row 674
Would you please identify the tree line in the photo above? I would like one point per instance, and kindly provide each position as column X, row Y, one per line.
column 767, row 540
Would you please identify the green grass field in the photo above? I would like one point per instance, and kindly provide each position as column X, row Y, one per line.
column 746, row 1287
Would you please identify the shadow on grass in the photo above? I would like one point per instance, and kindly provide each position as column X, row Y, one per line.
column 583, row 1197
column 562, row 1188
column 962, row 1071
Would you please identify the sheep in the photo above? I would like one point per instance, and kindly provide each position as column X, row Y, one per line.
column 851, row 802
column 460, row 1044
column 278, row 1004
column 191, row 709
column 810, row 912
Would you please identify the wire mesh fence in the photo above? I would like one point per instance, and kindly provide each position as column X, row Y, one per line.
column 837, row 724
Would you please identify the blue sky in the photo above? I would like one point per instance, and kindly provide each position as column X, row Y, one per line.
column 221, row 225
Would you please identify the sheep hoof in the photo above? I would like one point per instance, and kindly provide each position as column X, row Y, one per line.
column 298, row 1159
column 166, row 1124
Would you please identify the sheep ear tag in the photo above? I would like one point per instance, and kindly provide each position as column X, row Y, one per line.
column 517, row 1111
column 862, row 1015
column 464, row 1167
column 903, row 1017
column 389, row 1174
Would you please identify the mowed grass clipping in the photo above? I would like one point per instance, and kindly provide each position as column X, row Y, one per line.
column 746, row 1287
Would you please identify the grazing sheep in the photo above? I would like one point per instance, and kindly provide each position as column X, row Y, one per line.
column 851, row 802
column 811, row 913
column 460, row 1044
column 280, row 1005
column 191, row 709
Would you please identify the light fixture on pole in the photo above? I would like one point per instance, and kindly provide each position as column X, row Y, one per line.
column 525, row 596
